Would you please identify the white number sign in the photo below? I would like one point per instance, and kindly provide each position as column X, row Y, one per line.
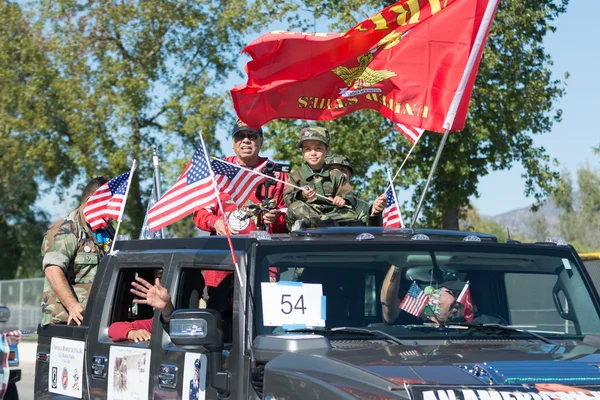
column 293, row 304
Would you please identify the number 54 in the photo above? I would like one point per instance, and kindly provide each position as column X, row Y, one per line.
column 288, row 304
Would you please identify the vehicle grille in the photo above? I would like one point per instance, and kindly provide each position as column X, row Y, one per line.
column 356, row 344
column 489, row 341
column 258, row 378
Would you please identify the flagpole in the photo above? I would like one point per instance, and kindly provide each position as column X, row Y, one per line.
column 405, row 159
column 277, row 180
column 155, row 162
column 133, row 165
column 433, row 167
column 227, row 233
column 395, row 198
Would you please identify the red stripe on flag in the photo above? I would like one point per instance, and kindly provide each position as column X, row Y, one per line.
column 410, row 132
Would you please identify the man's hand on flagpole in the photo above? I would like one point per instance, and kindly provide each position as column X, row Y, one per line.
column 270, row 217
column 308, row 193
column 220, row 228
column 338, row 201
column 378, row 205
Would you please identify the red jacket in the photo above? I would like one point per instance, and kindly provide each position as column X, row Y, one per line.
column 118, row 331
column 205, row 218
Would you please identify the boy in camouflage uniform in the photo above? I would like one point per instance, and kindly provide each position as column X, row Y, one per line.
column 344, row 165
column 304, row 207
column 71, row 253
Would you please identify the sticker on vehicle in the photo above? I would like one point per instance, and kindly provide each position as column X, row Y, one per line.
column 128, row 371
column 293, row 304
column 194, row 376
column 66, row 360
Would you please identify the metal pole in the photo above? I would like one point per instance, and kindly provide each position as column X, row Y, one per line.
column 155, row 161
column 433, row 167
column 21, row 304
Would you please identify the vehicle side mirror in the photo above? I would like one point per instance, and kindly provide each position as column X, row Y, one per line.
column 202, row 327
column 194, row 327
column 4, row 314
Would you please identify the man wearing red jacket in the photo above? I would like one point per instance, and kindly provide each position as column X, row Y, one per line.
column 247, row 144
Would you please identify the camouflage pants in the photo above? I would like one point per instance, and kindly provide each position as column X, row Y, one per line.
column 319, row 215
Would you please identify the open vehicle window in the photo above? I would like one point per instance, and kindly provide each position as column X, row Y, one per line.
column 123, row 307
column 536, row 289
column 207, row 288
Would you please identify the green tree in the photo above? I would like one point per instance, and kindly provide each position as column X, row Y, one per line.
column 25, row 91
column 511, row 103
column 124, row 75
column 579, row 222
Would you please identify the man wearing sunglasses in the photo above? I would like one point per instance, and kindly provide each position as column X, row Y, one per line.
column 247, row 144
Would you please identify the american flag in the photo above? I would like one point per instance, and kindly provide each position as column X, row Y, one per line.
column 192, row 191
column 4, row 353
column 391, row 214
column 410, row 132
column 415, row 300
column 409, row 353
column 106, row 202
column 145, row 233
column 464, row 298
column 237, row 181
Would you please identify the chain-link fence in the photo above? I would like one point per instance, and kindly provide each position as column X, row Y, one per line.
column 23, row 297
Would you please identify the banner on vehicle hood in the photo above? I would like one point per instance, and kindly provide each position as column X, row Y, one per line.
column 520, row 392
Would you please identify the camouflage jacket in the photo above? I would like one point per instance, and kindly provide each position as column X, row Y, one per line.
column 328, row 182
column 71, row 245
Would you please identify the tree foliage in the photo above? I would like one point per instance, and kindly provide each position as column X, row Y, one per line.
column 512, row 101
column 579, row 222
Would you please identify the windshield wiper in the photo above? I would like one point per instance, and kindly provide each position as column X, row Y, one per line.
column 497, row 328
column 347, row 330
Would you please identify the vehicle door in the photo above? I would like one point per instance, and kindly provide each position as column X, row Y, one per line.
column 180, row 373
column 118, row 367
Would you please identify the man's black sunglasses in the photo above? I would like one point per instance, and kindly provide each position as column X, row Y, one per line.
column 243, row 135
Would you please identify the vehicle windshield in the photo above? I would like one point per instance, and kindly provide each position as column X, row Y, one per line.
column 416, row 290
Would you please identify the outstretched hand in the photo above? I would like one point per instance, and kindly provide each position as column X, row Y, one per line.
column 156, row 296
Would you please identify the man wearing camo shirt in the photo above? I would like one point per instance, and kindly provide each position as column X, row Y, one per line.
column 71, row 252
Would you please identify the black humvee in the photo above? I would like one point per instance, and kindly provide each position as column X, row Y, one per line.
column 304, row 320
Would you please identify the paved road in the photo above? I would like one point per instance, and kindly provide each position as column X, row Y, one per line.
column 25, row 386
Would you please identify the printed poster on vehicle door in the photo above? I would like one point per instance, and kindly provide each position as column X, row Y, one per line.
column 128, row 373
column 66, row 367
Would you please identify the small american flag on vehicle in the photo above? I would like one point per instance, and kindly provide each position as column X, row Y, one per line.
column 410, row 132
column 391, row 213
column 236, row 181
column 415, row 300
column 106, row 202
column 192, row 191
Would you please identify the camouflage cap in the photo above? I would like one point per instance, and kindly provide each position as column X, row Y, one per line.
column 315, row 133
column 339, row 159
column 241, row 126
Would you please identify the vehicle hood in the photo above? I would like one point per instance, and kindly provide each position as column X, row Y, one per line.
column 474, row 370
column 477, row 362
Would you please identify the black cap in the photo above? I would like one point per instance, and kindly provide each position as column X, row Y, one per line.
column 241, row 126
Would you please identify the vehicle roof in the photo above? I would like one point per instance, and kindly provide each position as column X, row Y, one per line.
column 329, row 235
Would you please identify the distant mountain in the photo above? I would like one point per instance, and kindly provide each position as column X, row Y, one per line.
column 519, row 221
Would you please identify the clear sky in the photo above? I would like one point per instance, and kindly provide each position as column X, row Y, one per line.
column 570, row 142
column 573, row 50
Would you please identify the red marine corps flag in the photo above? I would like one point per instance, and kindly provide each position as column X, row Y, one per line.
column 407, row 62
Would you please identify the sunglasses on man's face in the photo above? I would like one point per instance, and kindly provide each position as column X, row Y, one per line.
column 238, row 137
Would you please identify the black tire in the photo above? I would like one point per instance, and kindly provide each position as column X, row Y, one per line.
column 11, row 392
